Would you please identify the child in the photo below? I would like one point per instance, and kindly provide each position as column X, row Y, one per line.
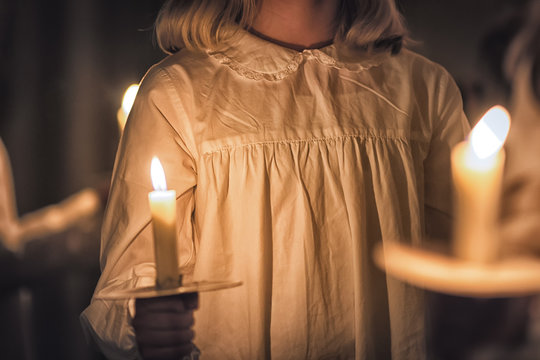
column 294, row 147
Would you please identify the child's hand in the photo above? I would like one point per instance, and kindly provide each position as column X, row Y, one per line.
column 163, row 326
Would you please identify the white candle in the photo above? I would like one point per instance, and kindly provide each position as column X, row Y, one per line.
column 477, row 167
column 163, row 208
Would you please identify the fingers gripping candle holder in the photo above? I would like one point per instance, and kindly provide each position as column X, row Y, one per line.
column 475, row 268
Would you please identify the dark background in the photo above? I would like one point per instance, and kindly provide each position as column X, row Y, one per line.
column 64, row 66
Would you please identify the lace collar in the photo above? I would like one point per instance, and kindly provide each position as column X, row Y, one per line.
column 257, row 59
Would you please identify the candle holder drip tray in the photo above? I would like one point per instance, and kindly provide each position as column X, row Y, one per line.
column 154, row 291
column 430, row 270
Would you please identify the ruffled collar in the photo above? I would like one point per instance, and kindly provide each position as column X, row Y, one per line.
column 256, row 58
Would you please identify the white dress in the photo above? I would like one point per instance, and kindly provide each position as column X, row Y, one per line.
column 289, row 168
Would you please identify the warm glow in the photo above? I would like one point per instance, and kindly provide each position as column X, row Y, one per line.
column 489, row 134
column 487, row 138
column 158, row 175
column 129, row 98
column 127, row 103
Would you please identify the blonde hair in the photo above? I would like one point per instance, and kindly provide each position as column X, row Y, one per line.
column 202, row 24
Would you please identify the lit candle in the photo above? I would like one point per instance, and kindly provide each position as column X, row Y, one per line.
column 477, row 167
column 127, row 104
column 163, row 208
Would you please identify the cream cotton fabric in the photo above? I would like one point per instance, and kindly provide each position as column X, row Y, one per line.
column 289, row 167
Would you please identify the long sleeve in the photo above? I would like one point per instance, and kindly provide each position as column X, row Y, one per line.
column 450, row 126
column 127, row 257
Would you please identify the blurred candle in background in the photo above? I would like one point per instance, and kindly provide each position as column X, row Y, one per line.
column 477, row 168
column 163, row 209
column 127, row 103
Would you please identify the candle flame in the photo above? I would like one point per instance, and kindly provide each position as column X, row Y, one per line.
column 488, row 136
column 158, row 175
column 129, row 98
column 127, row 104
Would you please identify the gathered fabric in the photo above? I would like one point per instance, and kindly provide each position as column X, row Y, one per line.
column 289, row 167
